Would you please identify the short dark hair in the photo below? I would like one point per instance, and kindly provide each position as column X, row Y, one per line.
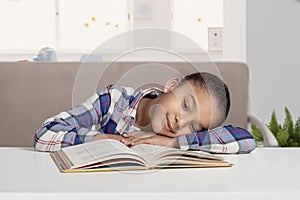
column 215, row 87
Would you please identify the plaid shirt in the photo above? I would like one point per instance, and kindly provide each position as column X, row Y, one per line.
column 223, row 139
column 113, row 110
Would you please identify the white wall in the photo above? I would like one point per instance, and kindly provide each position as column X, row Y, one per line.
column 234, row 36
column 273, row 55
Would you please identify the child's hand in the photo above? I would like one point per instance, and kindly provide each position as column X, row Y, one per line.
column 102, row 136
column 130, row 138
column 142, row 137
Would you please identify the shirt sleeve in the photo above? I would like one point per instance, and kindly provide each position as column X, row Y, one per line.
column 225, row 139
column 74, row 126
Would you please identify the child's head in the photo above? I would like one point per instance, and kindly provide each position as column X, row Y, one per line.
column 218, row 91
column 196, row 102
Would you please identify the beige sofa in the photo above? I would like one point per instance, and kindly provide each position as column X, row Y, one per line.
column 34, row 91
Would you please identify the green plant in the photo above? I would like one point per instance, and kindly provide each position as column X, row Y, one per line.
column 256, row 132
column 287, row 135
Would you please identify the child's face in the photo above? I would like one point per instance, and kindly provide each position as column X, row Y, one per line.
column 181, row 110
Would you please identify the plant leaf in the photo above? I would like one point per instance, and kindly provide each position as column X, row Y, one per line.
column 273, row 125
column 256, row 132
column 282, row 138
column 288, row 124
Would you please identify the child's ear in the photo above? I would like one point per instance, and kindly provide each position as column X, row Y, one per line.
column 171, row 84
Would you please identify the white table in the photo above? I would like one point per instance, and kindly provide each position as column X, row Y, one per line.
column 266, row 173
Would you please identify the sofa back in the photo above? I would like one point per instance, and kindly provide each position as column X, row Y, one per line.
column 34, row 91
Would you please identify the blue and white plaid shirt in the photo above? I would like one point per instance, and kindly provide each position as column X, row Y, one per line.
column 113, row 110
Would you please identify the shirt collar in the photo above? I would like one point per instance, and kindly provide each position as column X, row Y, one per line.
column 131, row 111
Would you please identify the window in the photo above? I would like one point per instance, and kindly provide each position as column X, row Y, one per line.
column 24, row 28
column 82, row 25
column 68, row 26
column 193, row 17
column 86, row 24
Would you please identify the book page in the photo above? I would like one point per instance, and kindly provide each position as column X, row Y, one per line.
column 153, row 154
column 91, row 152
column 150, row 152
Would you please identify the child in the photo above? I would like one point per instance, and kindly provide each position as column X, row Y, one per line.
column 194, row 103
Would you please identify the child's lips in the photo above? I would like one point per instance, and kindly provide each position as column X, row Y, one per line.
column 168, row 125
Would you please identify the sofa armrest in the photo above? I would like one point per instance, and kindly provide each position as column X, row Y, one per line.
column 269, row 138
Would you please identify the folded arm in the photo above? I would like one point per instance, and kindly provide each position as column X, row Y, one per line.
column 74, row 126
column 225, row 139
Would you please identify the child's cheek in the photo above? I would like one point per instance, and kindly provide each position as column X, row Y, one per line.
column 157, row 115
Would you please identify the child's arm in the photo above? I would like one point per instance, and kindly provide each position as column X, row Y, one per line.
column 224, row 139
column 73, row 126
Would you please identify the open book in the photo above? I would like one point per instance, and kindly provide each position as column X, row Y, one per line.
column 112, row 155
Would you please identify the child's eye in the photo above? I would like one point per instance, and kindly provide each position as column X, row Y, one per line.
column 185, row 105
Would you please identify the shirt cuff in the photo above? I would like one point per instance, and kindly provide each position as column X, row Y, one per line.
column 188, row 142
